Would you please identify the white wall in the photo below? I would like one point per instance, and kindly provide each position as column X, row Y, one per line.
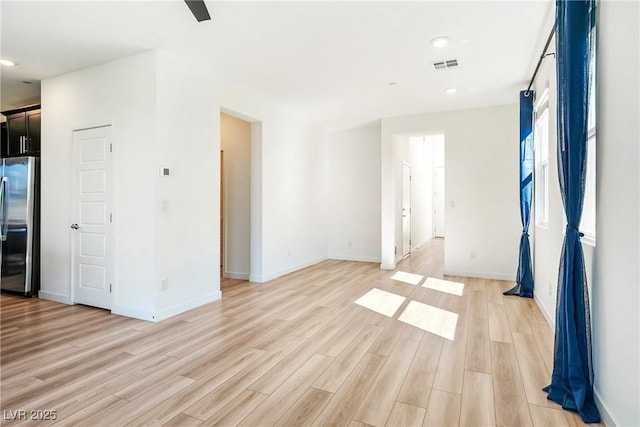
column 188, row 142
column 236, row 144
column 354, row 194
column 481, row 187
column 121, row 93
column 616, row 295
column 547, row 239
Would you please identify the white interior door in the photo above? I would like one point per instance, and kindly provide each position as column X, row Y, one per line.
column 406, row 209
column 438, row 202
column 91, row 227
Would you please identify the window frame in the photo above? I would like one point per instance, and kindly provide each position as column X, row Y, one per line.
column 541, row 175
column 590, row 190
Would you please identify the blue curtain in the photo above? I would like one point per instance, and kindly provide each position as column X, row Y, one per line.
column 572, row 377
column 524, row 277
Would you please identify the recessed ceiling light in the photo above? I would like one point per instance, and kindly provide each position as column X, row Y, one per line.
column 440, row 42
column 392, row 83
column 451, row 90
column 7, row 63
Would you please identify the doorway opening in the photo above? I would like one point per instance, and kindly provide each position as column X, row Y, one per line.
column 419, row 190
column 406, row 209
column 235, row 197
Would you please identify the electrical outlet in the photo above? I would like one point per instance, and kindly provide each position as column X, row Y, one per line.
column 473, row 254
column 164, row 284
column 349, row 243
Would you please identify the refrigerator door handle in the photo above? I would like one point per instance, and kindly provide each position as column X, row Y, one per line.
column 3, row 209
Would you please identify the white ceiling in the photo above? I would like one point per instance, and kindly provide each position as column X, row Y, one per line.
column 334, row 60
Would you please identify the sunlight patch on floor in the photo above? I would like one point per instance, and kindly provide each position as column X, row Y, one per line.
column 431, row 319
column 380, row 301
column 454, row 288
column 409, row 278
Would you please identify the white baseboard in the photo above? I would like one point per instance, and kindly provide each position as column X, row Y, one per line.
column 121, row 310
column 234, row 275
column 358, row 258
column 607, row 417
column 419, row 245
column 550, row 319
column 52, row 296
column 481, row 275
column 266, row 277
column 384, row 266
column 186, row 306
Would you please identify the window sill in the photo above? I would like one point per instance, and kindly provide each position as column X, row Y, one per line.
column 589, row 240
column 543, row 226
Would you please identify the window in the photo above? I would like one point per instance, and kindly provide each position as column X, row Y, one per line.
column 588, row 220
column 541, row 142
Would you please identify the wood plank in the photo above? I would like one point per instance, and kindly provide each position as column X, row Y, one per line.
column 208, row 402
column 443, row 409
column 306, row 409
column 532, row 370
column 509, row 396
column 139, row 406
column 237, row 409
column 403, row 415
column 182, row 420
column 518, row 321
column 477, row 408
column 499, row 323
column 450, row 372
column 544, row 417
column 377, row 406
column 108, row 404
column 478, row 354
column 544, row 336
column 277, row 375
column 341, row 368
column 340, row 409
column 417, row 384
column 280, row 400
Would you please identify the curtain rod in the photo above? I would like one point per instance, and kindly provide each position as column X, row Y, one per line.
column 544, row 54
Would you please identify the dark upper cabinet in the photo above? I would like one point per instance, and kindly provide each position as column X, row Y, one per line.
column 33, row 132
column 4, row 137
column 23, row 132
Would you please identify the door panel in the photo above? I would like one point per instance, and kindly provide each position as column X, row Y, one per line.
column 93, row 247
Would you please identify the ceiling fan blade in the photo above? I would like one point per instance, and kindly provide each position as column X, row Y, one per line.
column 199, row 9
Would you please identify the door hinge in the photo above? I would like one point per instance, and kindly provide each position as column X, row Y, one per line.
column 110, row 217
column 110, row 148
column 109, row 287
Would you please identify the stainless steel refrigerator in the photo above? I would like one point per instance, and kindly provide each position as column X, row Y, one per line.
column 19, row 222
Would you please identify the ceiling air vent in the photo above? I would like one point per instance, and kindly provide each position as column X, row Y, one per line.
column 445, row 65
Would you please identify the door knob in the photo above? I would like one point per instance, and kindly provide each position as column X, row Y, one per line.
column 75, row 226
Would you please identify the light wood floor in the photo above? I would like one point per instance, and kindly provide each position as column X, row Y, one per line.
column 295, row 351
